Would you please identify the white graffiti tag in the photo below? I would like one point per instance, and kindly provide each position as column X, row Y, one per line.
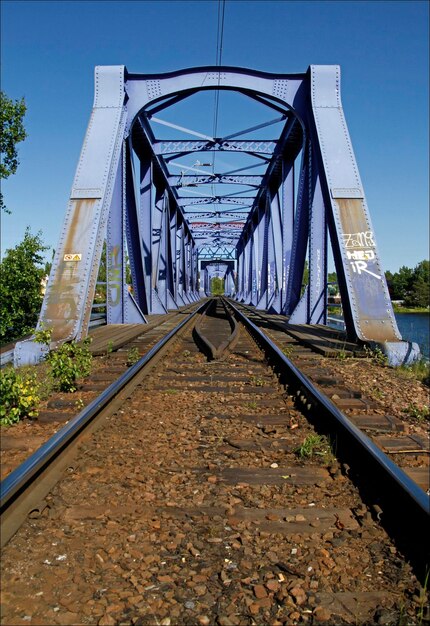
column 358, row 240
column 361, row 255
column 361, row 266
column 359, row 258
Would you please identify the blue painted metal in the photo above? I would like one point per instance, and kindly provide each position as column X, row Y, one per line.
column 135, row 189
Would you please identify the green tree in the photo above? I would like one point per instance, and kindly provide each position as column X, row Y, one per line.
column 12, row 132
column 48, row 265
column 333, row 288
column 389, row 279
column 21, row 272
column 419, row 293
column 217, row 286
column 411, row 285
column 400, row 283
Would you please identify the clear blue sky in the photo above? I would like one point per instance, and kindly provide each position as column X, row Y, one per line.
column 49, row 50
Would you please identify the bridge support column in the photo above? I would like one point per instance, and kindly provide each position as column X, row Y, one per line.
column 248, row 271
column 134, row 225
column 300, row 233
column 284, row 228
column 229, row 287
column 312, row 306
column 240, row 272
column 122, row 307
column 263, row 254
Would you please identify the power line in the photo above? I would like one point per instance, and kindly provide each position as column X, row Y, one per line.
column 218, row 59
column 219, row 44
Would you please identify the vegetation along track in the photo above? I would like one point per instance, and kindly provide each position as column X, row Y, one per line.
column 208, row 497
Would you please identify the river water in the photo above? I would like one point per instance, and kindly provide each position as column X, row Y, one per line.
column 415, row 327
column 412, row 326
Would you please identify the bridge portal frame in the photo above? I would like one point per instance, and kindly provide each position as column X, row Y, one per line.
column 109, row 198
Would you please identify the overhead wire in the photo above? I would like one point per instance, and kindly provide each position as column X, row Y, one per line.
column 218, row 60
column 219, row 44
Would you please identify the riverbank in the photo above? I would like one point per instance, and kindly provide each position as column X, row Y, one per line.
column 404, row 309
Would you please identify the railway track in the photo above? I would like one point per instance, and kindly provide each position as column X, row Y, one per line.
column 198, row 499
column 390, row 433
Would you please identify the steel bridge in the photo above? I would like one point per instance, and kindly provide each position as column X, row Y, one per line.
column 257, row 206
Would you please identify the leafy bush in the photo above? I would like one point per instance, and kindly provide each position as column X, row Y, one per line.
column 43, row 335
column 19, row 393
column 70, row 362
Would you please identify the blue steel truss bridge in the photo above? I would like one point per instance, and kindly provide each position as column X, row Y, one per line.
column 165, row 184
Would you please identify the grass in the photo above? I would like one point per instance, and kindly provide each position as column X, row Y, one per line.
column 421, row 414
column 376, row 355
column 376, row 392
column 257, row 382
column 423, row 596
column 341, row 355
column 420, row 370
column 132, row 356
column 316, row 446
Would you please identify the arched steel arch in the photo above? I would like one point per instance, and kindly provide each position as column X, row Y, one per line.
column 123, row 190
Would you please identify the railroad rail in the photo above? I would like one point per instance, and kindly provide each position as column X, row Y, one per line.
column 360, row 413
column 211, row 495
column 314, row 399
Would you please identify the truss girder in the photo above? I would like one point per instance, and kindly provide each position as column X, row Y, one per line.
column 188, row 180
column 183, row 202
column 185, row 147
column 220, row 251
column 125, row 191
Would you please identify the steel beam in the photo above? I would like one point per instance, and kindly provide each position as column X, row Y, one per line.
column 188, row 180
column 185, row 147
